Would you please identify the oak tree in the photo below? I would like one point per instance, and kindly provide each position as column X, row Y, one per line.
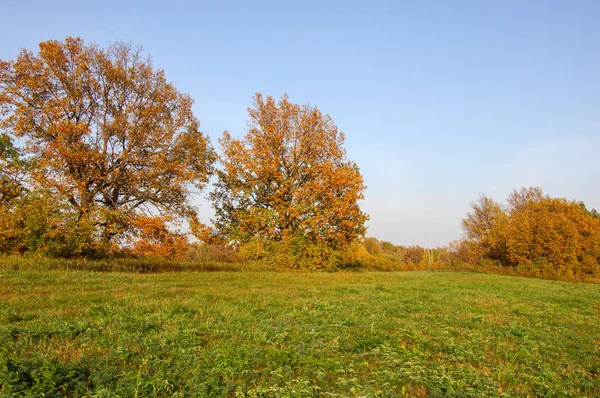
column 545, row 236
column 104, row 131
column 556, row 234
column 288, row 176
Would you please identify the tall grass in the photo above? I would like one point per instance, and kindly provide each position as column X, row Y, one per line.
column 135, row 265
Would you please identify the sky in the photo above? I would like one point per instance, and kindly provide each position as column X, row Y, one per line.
column 439, row 100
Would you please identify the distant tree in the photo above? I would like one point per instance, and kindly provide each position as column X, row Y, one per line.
column 593, row 212
column 288, row 177
column 104, row 132
column 372, row 245
column 415, row 254
column 392, row 250
column 460, row 252
column 546, row 236
column 486, row 226
column 518, row 200
column 556, row 234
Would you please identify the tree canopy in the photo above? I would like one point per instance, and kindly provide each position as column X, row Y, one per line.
column 551, row 236
column 288, row 176
column 101, row 154
column 104, row 132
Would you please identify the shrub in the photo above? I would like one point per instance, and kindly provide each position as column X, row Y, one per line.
column 535, row 234
column 298, row 253
column 35, row 224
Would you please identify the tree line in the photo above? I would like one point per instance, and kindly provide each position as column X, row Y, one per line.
column 100, row 155
column 536, row 234
column 112, row 153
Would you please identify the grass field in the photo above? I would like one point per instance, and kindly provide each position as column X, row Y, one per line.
column 75, row 333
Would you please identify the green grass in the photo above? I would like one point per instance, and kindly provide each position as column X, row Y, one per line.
column 125, row 264
column 65, row 333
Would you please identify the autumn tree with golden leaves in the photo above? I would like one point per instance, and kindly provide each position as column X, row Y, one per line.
column 105, row 133
column 288, row 177
column 486, row 226
column 538, row 234
column 555, row 234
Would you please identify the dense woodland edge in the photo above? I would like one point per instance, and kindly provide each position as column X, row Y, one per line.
column 100, row 155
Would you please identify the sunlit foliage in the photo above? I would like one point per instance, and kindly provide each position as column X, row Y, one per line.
column 546, row 236
column 288, row 184
column 106, row 135
column 34, row 223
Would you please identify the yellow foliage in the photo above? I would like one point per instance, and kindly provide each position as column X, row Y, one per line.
column 288, row 181
column 536, row 234
column 104, row 132
column 154, row 239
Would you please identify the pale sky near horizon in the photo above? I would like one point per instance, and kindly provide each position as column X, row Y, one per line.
column 439, row 100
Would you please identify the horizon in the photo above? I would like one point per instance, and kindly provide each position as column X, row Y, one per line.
column 438, row 103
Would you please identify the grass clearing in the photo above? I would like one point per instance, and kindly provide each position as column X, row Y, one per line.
column 276, row 334
column 125, row 264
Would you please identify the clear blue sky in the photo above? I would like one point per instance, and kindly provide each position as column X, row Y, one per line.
column 439, row 100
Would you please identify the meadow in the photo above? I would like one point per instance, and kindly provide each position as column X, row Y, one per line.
column 253, row 334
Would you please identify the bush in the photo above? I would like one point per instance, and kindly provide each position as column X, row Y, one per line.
column 298, row 253
column 35, row 224
column 536, row 235
column 214, row 253
column 152, row 238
